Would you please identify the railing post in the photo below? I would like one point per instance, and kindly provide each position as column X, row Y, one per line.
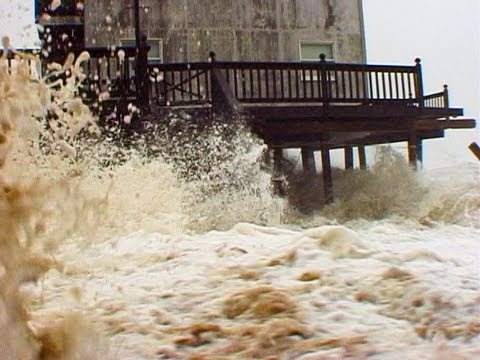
column 212, row 56
column 419, row 83
column 223, row 100
column 323, row 81
column 141, row 77
column 445, row 97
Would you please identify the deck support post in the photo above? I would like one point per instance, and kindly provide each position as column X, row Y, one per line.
column 414, row 150
column 420, row 152
column 277, row 180
column 277, row 161
column 348, row 157
column 362, row 157
column 308, row 161
column 327, row 175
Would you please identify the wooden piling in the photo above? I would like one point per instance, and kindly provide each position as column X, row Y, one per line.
column 277, row 162
column 362, row 157
column 327, row 175
column 420, row 152
column 277, row 180
column 348, row 157
column 413, row 150
column 308, row 161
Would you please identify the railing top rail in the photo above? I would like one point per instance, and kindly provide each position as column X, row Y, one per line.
column 286, row 65
column 105, row 51
column 12, row 54
column 180, row 66
column 434, row 95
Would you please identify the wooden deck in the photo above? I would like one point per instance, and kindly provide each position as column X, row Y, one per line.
column 309, row 105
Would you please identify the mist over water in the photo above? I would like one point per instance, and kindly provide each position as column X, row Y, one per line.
column 84, row 214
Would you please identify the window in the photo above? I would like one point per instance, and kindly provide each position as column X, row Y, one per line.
column 310, row 52
column 155, row 53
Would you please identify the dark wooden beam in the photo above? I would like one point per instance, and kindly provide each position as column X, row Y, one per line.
column 315, row 141
column 271, row 130
column 350, row 112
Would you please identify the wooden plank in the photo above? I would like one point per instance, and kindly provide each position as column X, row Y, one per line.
column 384, row 111
column 315, row 141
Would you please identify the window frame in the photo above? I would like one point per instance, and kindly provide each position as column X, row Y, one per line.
column 131, row 41
column 331, row 77
column 320, row 43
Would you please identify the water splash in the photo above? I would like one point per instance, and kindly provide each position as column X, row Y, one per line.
column 37, row 212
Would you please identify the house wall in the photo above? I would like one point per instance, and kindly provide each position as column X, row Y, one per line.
column 254, row 30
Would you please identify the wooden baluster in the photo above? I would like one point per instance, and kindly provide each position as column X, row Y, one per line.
column 289, row 73
column 252, row 91
column 297, row 84
column 282, row 83
column 235, row 82
column 182, row 88
column 190, row 91
column 267, row 85
column 390, row 86
column 304, row 83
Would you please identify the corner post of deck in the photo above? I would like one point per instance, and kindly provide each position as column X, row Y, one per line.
column 212, row 59
column 348, row 157
column 323, row 80
column 143, row 89
column 327, row 175
column 446, row 103
column 362, row 157
column 223, row 100
column 419, row 83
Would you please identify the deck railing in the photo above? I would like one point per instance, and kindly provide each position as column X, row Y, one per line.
column 437, row 100
column 180, row 83
column 294, row 82
column 32, row 58
column 111, row 71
